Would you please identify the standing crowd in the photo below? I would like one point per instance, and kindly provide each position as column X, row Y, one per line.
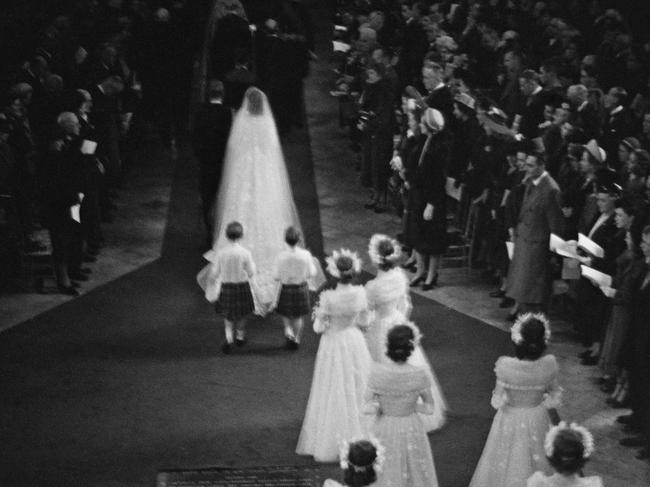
column 72, row 118
column 520, row 132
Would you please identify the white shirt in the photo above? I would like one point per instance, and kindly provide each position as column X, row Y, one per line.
column 234, row 263
column 294, row 266
column 536, row 181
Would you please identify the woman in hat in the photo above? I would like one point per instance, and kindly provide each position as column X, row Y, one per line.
column 426, row 226
column 342, row 363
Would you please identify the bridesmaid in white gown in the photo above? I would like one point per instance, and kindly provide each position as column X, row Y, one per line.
column 360, row 461
column 568, row 448
column 389, row 302
column 334, row 409
column 394, row 389
column 527, row 386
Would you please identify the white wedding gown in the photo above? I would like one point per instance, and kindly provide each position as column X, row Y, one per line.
column 255, row 191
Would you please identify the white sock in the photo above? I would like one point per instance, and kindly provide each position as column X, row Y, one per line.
column 240, row 334
column 228, row 330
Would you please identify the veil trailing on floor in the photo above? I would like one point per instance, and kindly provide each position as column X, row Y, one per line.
column 255, row 191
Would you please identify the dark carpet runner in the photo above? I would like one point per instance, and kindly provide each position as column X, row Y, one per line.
column 128, row 379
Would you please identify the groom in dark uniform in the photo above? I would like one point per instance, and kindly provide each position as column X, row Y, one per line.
column 209, row 138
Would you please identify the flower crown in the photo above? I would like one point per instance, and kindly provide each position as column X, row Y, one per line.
column 336, row 255
column 417, row 335
column 373, row 249
column 344, row 453
column 515, row 331
column 587, row 438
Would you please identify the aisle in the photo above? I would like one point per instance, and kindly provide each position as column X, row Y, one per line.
column 128, row 379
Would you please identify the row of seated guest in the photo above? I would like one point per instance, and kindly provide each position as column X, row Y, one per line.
column 538, row 114
column 68, row 133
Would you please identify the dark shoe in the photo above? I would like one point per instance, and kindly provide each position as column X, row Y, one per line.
column 370, row 206
column 616, row 404
column 416, row 281
column 240, row 342
column 68, row 290
column 626, row 419
column 291, row 345
column 608, row 387
column 633, row 441
column 226, row 348
column 643, row 454
column 78, row 276
column 507, row 303
column 591, row 360
column 499, row 293
column 427, row 287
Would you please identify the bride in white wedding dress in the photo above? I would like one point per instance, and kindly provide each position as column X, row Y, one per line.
column 255, row 191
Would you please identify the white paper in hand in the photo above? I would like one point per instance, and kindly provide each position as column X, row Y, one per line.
column 75, row 212
column 339, row 46
column 510, row 247
column 600, row 279
column 451, row 189
column 88, row 147
column 610, row 292
column 590, row 246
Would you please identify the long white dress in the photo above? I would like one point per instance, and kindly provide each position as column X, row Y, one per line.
column 397, row 388
column 255, row 191
column 336, row 399
column 390, row 304
column 538, row 479
column 514, row 449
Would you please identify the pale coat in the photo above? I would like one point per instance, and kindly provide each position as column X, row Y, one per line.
column 529, row 275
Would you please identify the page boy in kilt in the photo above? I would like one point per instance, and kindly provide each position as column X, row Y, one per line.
column 293, row 267
column 234, row 266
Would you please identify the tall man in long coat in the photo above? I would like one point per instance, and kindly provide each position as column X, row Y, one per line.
column 209, row 139
column 529, row 275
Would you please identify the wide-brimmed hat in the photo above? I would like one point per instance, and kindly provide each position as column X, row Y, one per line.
column 496, row 120
column 433, row 119
column 596, row 151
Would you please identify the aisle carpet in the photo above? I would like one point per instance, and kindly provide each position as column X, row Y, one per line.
column 128, row 379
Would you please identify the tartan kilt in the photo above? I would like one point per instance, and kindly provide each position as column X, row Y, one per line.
column 235, row 300
column 294, row 300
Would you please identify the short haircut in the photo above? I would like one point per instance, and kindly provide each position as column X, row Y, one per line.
column 215, row 88
column 291, row 236
column 234, row 231
column 619, row 92
column 626, row 205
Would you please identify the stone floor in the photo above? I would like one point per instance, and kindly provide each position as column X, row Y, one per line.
column 345, row 223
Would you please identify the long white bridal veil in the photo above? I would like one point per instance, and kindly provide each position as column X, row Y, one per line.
column 255, row 188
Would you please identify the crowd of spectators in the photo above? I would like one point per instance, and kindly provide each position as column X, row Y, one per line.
column 527, row 123
column 72, row 118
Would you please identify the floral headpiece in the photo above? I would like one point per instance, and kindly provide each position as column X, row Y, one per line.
column 344, row 453
column 336, row 255
column 373, row 249
column 587, row 438
column 515, row 331
column 417, row 335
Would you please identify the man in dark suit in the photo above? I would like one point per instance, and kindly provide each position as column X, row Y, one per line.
column 618, row 122
column 414, row 42
column 584, row 115
column 532, row 113
column 529, row 275
column 439, row 95
column 639, row 357
column 209, row 139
